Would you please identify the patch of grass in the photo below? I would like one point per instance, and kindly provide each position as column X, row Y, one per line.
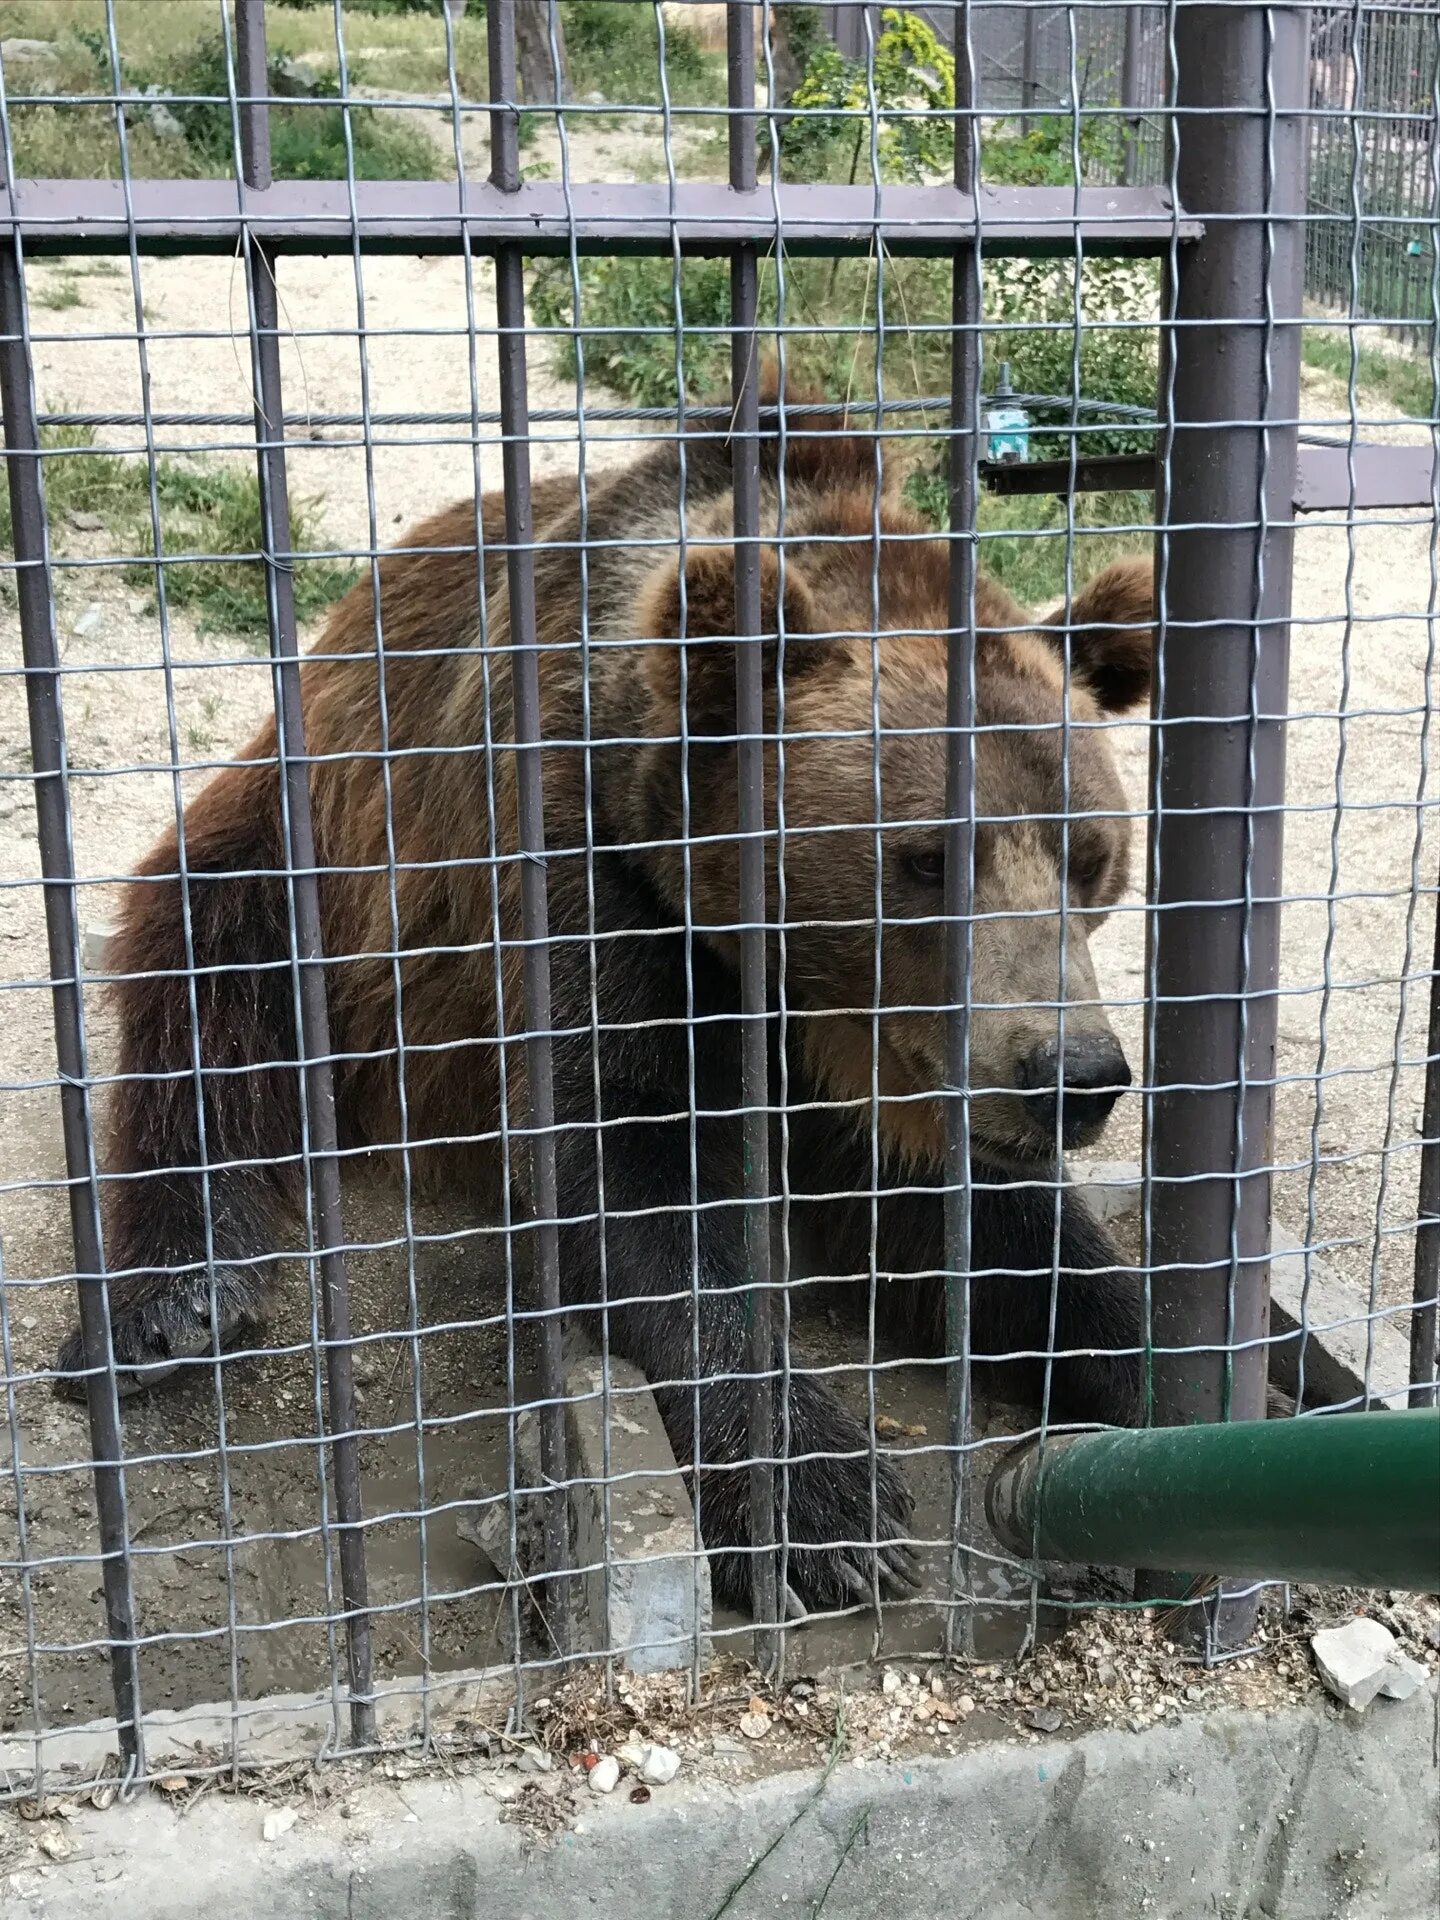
column 307, row 136
column 614, row 49
column 1402, row 379
column 60, row 295
column 206, row 507
column 1024, row 538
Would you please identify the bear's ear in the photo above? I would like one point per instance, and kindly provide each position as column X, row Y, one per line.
column 706, row 614
column 1111, row 632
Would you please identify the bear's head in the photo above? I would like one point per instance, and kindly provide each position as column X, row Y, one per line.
column 854, row 610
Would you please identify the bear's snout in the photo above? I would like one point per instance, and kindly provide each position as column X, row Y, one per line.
column 1096, row 1073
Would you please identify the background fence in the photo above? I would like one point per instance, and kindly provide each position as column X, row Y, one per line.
column 1371, row 174
column 688, row 861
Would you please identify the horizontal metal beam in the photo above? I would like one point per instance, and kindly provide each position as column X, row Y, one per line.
column 416, row 217
column 1384, row 476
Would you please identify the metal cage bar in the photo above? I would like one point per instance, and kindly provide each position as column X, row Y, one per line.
column 530, row 816
column 751, row 825
column 34, row 587
column 323, row 1165
column 1218, row 788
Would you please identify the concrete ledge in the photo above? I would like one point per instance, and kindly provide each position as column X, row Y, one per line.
column 1301, row 1815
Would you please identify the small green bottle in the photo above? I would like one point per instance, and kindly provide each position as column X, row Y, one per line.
column 1007, row 425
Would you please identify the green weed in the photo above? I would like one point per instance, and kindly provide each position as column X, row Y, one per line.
column 206, row 508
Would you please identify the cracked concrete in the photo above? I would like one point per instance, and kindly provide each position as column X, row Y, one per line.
column 1309, row 1814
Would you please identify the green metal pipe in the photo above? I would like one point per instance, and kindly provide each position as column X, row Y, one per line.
column 1353, row 1498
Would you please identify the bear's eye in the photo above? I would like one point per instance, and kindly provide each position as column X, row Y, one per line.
column 1087, row 869
column 927, row 866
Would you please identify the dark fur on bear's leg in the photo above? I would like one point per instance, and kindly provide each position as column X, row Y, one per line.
column 1097, row 1303
column 164, row 1227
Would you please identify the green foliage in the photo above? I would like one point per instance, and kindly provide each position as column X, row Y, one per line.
column 307, row 139
column 614, row 49
column 1045, row 155
column 1032, row 306
column 913, row 95
column 631, row 305
column 206, row 507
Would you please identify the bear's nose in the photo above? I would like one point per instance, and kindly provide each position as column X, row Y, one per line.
column 1096, row 1072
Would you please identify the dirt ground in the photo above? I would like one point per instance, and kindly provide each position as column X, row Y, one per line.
column 232, row 1567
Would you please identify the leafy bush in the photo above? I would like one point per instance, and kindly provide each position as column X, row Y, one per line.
column 914, row 93
column 1045, row 155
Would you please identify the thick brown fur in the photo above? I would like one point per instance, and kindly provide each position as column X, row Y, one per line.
column 414, row 801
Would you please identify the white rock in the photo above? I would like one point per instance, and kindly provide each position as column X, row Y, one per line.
column 278, row 1822
column 605, row 1774
column 1363, row 1659
column 891, row 1682
column 659, row 1765
column 88, row 621
column 754, row 1726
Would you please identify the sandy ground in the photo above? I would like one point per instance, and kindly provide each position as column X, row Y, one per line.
column 231, row 1566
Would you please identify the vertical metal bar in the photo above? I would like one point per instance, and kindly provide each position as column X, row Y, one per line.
column 750, row 777
column 34, row 591
column 1028, row 87
column 1425, row 1321
column 534, row 908
column 251, row 74
column 1130, row 96
column 965, row 373
column 1218, row 747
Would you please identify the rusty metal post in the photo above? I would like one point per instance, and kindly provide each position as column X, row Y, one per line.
column 530, row 805
column 750, row 823
column 251, row 74
column 34, row 590
column 1229, row 434
column 1130, row 95
column 960, row 842
column 1029, row 85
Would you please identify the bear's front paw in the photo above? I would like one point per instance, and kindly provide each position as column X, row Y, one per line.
column 835, row 1539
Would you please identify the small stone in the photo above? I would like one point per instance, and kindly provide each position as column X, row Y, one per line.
column 84, row 522
column 1105, row 1674
column 536, row 1760
column 658, row 1766
column 891, row 1682
column 88, row 621
column 721, row 1743
column 172, row 1783
column 138, row 603
column 1363, row 1659
column 937, row 1686
column 55, row 1844
column 1192, row 1692
column 294, row 78
column 965, row 1705
column 1045, row 1719
column 605, row 1774
column 278, row 1823
column 754, row 1726
column 639, row 1795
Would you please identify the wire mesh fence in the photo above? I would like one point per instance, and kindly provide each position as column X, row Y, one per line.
column 868, row 892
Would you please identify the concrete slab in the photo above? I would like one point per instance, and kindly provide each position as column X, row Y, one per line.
column 1302, row 1815
column 646, row 1587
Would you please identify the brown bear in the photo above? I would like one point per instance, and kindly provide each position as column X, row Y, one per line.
column 640, row 836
